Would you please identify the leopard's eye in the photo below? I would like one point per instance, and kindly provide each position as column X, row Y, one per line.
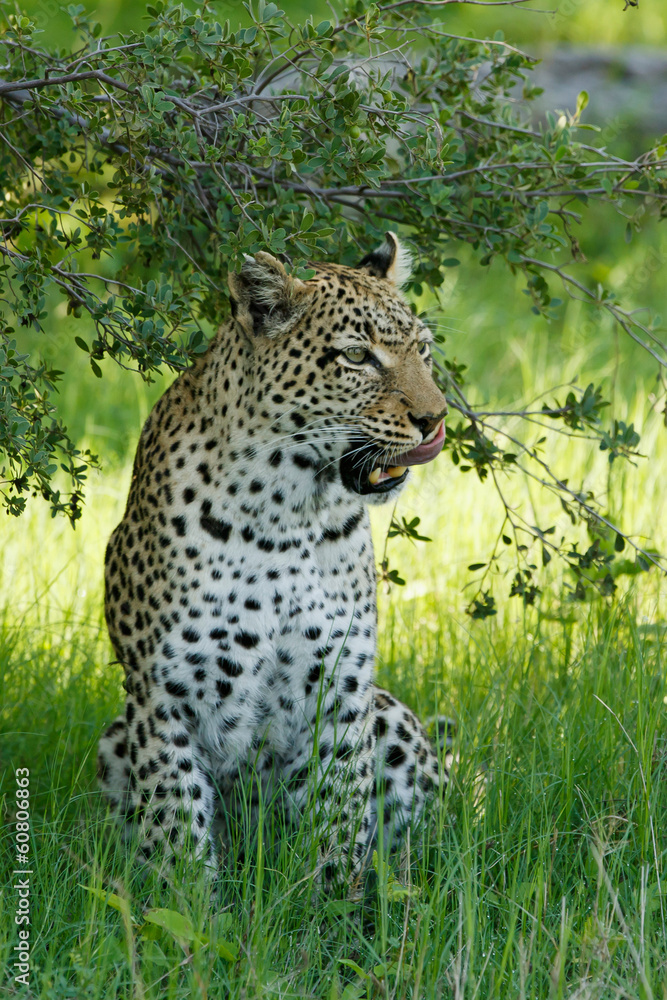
column 357, row 355
column 424, row 349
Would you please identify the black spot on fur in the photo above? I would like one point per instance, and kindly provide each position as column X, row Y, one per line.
column 246, row 639
column 179, row 523
column 176, row 689
column 395, row 756
column 380, row 726
column 204, row 472
column 216, row 528
column 229, row 667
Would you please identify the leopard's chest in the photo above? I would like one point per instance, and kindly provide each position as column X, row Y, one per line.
column 254, row 624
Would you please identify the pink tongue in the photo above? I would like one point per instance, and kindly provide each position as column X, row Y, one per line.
column 423, row 452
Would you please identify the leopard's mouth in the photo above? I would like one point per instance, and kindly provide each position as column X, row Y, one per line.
column 364, row 471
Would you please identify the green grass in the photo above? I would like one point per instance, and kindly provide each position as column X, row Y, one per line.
column 552, row 887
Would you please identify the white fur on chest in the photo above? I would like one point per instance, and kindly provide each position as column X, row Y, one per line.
column 277, row 618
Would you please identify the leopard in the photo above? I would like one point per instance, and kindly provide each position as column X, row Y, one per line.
column 240, row 584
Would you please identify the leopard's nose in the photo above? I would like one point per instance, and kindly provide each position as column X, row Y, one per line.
column 428, row 422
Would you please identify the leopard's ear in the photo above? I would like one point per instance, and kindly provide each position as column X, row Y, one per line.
column 391, row 260
column 266, row 301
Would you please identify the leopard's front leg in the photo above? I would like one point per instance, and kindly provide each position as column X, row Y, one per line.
column 158, row 775
column 330, row 779
column 408, row 771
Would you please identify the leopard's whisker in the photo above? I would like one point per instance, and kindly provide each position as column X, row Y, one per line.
column 333, row 428
column 349, row 453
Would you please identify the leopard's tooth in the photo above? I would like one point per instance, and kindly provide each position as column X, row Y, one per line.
column 396, row 470
column 374, row 476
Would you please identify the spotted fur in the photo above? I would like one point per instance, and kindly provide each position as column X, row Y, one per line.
column 240, row 583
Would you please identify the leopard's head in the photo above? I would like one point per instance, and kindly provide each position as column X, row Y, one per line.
column 342, row 366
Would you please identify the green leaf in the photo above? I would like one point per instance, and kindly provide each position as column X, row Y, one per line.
column 270, row 11
column 175, row 923
column 384, row 969
column 111, row 899
column 355, row 968
column 227, row 950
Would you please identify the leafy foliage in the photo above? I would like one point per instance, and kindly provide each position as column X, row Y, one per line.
column 177, row 925
column 138, row 169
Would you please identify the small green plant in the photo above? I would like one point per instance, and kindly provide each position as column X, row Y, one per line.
column 177, row 925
